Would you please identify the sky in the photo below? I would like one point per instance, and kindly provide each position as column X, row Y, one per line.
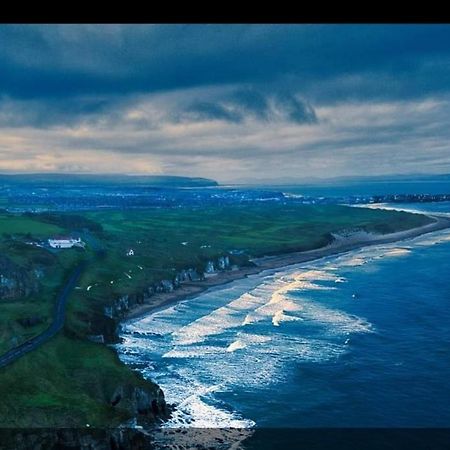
column 236, row 103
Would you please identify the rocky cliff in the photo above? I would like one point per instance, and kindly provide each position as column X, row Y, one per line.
column 147, row 407
column 124, row 303
column 15, row 281
column 74, row 439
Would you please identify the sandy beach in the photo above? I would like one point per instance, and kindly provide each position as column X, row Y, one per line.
column 341, row 244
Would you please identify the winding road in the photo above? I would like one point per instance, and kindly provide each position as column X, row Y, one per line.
column 58, row 322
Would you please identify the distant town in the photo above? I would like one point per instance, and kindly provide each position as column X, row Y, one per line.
column 39, row 198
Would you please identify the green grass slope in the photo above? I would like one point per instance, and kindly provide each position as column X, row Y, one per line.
column 70, row 380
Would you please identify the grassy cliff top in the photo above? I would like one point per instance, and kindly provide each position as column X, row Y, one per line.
column 69, row 381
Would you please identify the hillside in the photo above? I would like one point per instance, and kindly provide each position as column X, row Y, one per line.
column 42, row 179
column 74, row 379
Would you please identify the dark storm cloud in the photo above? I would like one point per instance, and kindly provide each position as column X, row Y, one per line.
column 211, row 111
column 62, row 61
column 54, row 112
column 238, row 105
column 252, row 101
column 68, row 68
column 296, row 110
column 225, row 101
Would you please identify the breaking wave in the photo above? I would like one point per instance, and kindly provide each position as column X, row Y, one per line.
column 251, row 335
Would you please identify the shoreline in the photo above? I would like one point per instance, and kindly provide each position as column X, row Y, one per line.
column 342, row 245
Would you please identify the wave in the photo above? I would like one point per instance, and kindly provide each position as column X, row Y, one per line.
column 236, row 345
column 340, row 280
column 214, row 323
column 250, row 335
column 354, row 262
column 192, row 351
column 401, row 251
column 194, row 411
column 279, row 317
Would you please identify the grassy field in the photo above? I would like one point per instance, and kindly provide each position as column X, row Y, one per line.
column 69, row 380
column 65, row 383
column 165, row 240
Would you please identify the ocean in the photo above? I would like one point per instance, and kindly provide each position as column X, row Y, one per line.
column 360, row 339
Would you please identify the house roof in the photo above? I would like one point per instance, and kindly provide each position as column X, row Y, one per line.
column 61, row 238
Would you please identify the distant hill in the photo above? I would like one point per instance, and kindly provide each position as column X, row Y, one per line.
column 401, row 178
column 90, row 179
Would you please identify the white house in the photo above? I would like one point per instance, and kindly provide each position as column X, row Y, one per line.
column 64, row 242
column 130, row 252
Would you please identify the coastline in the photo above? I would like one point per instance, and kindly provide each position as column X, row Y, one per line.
column 341, row 245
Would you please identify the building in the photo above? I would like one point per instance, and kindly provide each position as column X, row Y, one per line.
column 64, row 242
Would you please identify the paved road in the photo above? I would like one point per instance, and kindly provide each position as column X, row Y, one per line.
column 58, row 322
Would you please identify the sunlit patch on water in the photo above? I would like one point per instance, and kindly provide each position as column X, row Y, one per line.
column 398, row 252
column 353, row 262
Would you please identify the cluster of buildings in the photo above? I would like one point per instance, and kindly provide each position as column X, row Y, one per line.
column 65, row 242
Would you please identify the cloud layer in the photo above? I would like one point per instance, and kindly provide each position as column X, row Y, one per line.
column 228, row 102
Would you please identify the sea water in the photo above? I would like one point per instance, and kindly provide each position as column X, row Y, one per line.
column 360, row 339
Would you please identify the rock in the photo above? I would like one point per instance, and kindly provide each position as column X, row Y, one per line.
column 194, row 275
column 143, row 402
column 75, row 439
column 223, row 262
column 15, row 281
column 210, row 267
column 97, row 338
column 183, row 276
column 140, row 298
column 140, row 402
column 38, row 273
column 146, row 403
column 167, row 285
column 122, row 303
column 177, row 281
column 117, row 396
column 108, row 311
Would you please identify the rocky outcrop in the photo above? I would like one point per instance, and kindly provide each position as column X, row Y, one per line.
column 223, row 262
column 15, row 281
column 190, row 275
column 210, row 267
column 146, row 405
column 193, row 275
column 141, row 403
column 167, row 285
column 75, row 439
column 97, row 338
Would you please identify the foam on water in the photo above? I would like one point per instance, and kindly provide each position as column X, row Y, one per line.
column 195, row 411
column 250, row 335
column 198, row 351
column 279, row 317
column 354, row 262
column 192, row 351
column 236, row 345
column 211, row 324
column 398, row 252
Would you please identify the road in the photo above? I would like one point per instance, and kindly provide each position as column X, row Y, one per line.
column 58, row 322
